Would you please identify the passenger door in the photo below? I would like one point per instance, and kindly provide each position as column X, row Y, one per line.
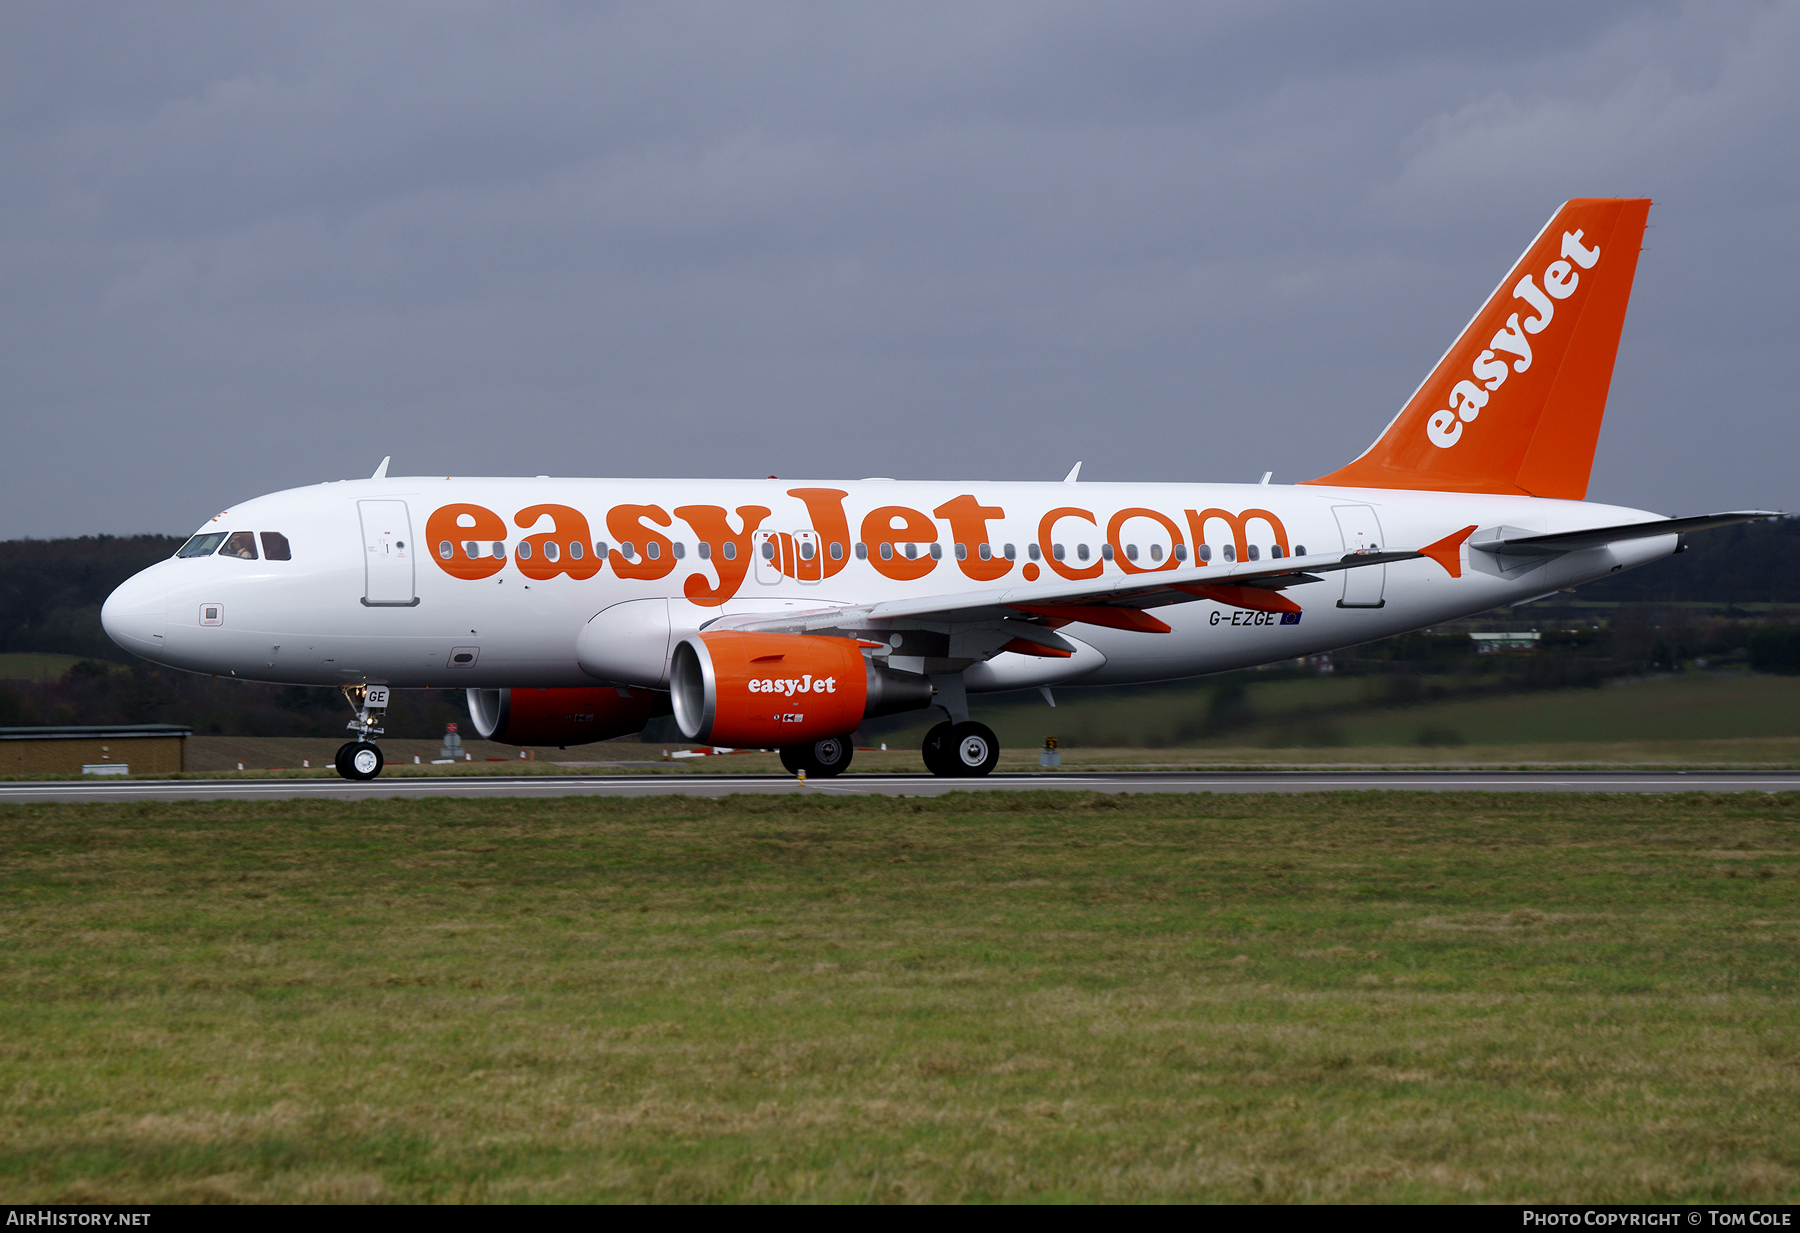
column 807, row 565
column 388, row 553
column 1362, row 533
column 781, row 555
column 767, row 547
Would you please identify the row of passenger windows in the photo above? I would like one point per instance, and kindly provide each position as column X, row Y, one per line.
column 239, row 544
column 1252, row 552
column 886, row 551
column 576, row 550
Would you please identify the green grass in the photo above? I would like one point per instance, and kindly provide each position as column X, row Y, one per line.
column 34, row 666
column 1694, row 706
column 261, row 753
column 1006, row 996
column 1693, row 718
column 1351, row 712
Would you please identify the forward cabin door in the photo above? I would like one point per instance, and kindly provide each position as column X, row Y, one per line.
column 1362, row 533
column 388, row 553
column 767, row 547
column 781, row 555
column 807, row 563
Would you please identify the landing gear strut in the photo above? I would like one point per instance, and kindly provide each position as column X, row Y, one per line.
column 361, row 759
column 966, row 749
column 820, row 759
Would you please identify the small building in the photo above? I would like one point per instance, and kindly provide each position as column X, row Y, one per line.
column 146, row 749
column 1487, row 643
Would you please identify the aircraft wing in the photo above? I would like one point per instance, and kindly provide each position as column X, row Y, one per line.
column 1115, row 602
column 1569, row 541
column 1035, row 610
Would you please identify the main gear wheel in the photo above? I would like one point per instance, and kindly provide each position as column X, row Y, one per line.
column 937, row 749
column 974, row 750
column 819, row 759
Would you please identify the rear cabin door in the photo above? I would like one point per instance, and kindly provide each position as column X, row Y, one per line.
column 388, row 554
column 1362, row 533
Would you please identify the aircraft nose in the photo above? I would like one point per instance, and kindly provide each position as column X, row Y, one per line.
column 136, row 615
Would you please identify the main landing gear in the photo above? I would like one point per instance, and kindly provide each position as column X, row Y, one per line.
column 820, row 759
column 965, row 749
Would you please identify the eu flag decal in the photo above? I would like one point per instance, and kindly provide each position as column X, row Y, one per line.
column 1290, row 618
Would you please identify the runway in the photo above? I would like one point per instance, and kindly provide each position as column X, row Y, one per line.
column 475, row 787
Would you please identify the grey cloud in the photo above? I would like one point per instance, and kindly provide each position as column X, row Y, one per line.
column 251, row 248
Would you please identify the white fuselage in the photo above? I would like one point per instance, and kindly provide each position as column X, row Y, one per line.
column 369, row 596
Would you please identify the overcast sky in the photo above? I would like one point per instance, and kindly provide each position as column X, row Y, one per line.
column 244, row 248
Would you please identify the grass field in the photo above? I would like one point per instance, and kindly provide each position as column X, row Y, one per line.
column 1694, row 719
column 1006, row 996
column 39, row 668
column 217, row 757
column 1691, row 719
column 1327, row 712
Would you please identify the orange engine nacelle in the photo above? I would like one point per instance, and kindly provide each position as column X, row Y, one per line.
column 768, row 690
column 558, row 716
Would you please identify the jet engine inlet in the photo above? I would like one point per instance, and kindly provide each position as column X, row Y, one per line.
column 772, row 690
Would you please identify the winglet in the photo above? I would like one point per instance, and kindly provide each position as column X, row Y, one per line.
column 1447, row 551
column 381, row 471
column 1074, row 472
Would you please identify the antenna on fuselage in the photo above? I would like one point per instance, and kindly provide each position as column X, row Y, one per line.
column 1074, row 472
column 381, row 471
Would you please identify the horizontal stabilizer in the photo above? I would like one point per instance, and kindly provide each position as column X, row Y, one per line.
column 1569, row 541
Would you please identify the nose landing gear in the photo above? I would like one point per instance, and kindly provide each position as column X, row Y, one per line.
column 361, row 759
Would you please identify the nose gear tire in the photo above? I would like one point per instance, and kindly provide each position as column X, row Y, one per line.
column 363, row 762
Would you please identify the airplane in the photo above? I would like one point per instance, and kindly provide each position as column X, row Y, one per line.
column 782, row 614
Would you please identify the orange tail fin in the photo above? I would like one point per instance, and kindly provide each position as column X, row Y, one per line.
column 1515, row 404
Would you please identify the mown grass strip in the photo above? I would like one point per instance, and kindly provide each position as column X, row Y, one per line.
column 986, row 996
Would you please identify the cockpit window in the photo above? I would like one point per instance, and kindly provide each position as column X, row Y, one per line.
column 240, row 544
column 275, row 546
column 202, row 545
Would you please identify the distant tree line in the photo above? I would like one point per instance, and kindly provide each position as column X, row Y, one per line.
column 51, row 592
column 1775, row 648
column 95, row 691
column 1751, row 563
